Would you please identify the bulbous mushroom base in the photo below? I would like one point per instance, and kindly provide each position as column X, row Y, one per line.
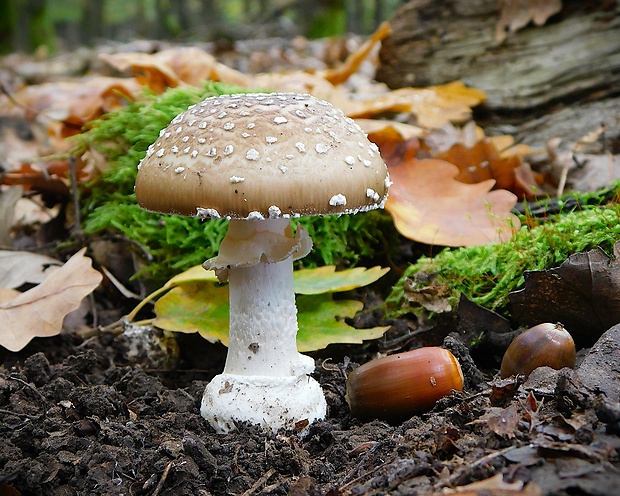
column 272, row 402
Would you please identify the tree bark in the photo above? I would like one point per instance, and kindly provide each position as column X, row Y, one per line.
column 571, row 60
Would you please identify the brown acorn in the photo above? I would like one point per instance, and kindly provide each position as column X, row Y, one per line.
column 543, row 345
column 398, row 386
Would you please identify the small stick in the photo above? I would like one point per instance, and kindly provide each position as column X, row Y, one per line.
column 161, row 482
column 259, row 482
column 77, row 223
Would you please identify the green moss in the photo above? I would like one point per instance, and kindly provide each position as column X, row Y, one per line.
column 487, row 274
column 178, row 243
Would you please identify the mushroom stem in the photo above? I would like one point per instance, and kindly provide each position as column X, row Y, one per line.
column 263, row 321
column 264, row 379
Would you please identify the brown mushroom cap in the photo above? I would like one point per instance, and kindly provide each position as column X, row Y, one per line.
column 253, row 156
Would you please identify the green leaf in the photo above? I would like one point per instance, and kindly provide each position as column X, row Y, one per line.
column 327, row 280
column 200, row 306
column 321, row 322
column 194, row 274
column 197, row 304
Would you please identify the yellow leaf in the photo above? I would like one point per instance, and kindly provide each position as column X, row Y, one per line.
column 326, row 279
column 39, row 312
column 193, row 274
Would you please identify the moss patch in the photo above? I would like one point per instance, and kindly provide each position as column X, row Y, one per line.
column 487, row 274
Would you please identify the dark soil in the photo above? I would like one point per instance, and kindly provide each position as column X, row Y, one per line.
column 82, row 418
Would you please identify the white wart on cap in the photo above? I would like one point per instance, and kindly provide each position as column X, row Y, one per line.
column 256, row 156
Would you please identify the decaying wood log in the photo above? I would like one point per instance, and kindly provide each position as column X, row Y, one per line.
column 572, row 60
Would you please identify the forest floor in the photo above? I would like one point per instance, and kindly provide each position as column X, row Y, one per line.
column 84, row 418
column 107, row 414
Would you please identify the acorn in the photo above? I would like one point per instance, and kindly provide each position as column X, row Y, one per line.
column 396, row 387
column 543, row 345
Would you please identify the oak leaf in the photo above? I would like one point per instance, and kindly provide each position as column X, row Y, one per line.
column 484, row 161
column 39, row 312
column 72, row 102
column 429, row 205
column 20, row 267
column 583, row 294
column 432, row 107
column 175, row 66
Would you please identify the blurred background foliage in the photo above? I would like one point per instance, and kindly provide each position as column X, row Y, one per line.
column 52, row 25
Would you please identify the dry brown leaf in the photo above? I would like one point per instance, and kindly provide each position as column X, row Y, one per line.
column 354, row 60
column 433, row 107
column 73, row 102
column 8, row 200
column 484, row 161
column 147, row 70
column 377, row 127
column 440, row 140
column 496, row 486
column 7, row 294
column 429, row 205
column 39, row 312
column 505, row 423
column 301, row 82
column 20, row 267
column 583, row 293
column 516, row 14
column 394, row 149
column 175, row 66
column 507, row 147
column 48, row 177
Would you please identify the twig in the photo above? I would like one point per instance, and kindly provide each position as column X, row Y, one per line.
column 481, row 461
column 127, row 293
column 29, row 386
column 257, row 485
column 160, row 484
column 20, row 415
column 362, row 476
column 77, row 222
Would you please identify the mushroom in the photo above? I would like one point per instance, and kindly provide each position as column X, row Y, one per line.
column 260, row 160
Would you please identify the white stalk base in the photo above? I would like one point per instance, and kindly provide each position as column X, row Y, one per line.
column 272, row 402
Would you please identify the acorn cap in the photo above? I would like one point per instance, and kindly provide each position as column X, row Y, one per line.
column 256, row 156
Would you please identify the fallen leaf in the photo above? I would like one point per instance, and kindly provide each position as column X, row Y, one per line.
column 175, row 66
column 516, row 14
column 191, row 307
column 8, row 200
column 39, row 312
column 484, row 161
column 73, row 102
column 394, row 149
column 20, row 267
column 327, row 280
column 194, row 274
column 307, row 281
column 355, row 59
column 433, row 107
column 322, row 322
column 422, row 290
column 583, row 294
column 504, row 423
column 496, row 486
column 33, row 177
column 428, row 205
column 7, row 294
column 196, row 303
column 398, row 131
